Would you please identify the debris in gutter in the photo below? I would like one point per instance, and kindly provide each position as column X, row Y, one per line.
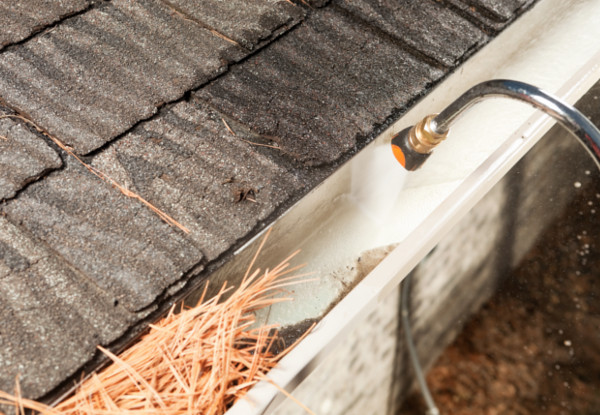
column 165, row 217
column 198, row 360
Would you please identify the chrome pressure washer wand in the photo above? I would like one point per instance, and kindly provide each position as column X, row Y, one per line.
column 414, row 145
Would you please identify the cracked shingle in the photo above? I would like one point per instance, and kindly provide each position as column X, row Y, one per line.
column 118, row 242
column 185, row 161
column 320, row 87
column 24, row 157
column 19, row 19
column 51, row 317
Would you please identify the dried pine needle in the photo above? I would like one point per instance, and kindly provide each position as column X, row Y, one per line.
column 168, row 219
column 246, row 141
column 196, row 361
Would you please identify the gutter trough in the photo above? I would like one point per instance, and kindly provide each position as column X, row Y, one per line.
column 372, row 205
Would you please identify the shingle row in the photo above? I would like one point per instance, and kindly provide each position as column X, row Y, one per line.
column 51, row 316
column 20, row 19
column 321, row 86
column 492, row 15
column 185, row 163
column 24, row 156
column 96, row 75
column 425, row 26
column 249, row 23
column 115, row 240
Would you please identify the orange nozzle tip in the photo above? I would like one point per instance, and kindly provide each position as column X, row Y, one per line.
column 399, row 154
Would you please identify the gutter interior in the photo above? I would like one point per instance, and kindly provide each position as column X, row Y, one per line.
column 371, row 202
column 554, row 46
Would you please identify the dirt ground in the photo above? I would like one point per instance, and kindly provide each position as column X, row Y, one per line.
column 535, row 346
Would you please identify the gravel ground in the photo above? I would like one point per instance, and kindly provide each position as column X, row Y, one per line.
column 535, row 346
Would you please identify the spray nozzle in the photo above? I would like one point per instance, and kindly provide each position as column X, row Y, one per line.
column 423, row 137
column 413, row 146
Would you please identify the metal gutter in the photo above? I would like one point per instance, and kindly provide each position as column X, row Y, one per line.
column 554, row 46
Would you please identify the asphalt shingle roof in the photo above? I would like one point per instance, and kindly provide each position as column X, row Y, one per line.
column 316, row 108
column 186, row 162
column 151, row 92
column 421, row 26
column 23, row 158
column 20, row 19
column 51, row 315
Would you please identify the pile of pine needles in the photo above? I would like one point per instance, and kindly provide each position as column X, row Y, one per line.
column 196, row 361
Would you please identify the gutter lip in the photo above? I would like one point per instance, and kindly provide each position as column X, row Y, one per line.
column 264, row 398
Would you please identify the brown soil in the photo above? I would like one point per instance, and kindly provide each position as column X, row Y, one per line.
column 535, row 346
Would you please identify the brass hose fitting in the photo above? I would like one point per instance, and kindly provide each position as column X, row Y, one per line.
column 423, row 138
column 413, row 146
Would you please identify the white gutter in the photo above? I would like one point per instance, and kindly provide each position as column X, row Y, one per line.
column 555, row 47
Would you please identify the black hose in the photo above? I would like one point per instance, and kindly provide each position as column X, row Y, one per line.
column 412, row 351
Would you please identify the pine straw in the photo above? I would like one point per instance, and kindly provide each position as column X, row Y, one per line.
column 198, row 361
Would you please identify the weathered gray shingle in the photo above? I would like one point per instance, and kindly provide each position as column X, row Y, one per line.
column 98, row 74
column 500, row 9
column 493, row 15
column 248, row 23
column 322, row 85
column 186, row 162
column 20, row 18
column 51, row 317
column 115, row 240
column 424, row 25
column 23, row 157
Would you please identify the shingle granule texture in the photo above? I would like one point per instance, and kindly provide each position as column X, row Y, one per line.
column 95, row 76
column 186, row 162
column 120, row 244
column 491, row 15
column 51, row 316
column 249, row 23
column 320, row 87
column 24, row 157
column 21, row 18
column 423, row 25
